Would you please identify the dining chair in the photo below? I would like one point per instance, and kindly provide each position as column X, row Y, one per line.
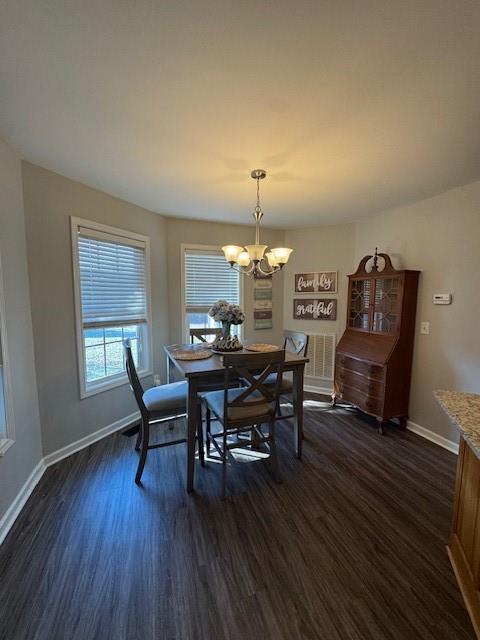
column 243, row 411
column 296, row 342
column 202, row 334
column 158, row 405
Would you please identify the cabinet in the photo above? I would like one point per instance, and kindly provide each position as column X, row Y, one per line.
column 374, row 356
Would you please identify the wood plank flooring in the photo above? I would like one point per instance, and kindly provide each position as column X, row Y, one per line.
column 351, row 546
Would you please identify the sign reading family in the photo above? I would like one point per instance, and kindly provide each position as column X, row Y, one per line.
column 314, row 309
column 318, row 282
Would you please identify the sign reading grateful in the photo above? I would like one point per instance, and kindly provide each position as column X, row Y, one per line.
column 318, row 282
column 314, row 309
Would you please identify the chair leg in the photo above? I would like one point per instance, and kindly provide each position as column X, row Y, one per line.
column 143, row 455
column 208, row 420
column 139, row 437
column 201, row 451
column 224, row 464
column 273, row 452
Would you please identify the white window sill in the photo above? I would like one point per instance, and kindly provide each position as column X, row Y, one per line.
column 5, row 444
column 118, row 381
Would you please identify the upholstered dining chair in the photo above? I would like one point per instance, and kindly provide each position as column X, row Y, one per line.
column 202, row 334
column 244, row 410
column 158, row 405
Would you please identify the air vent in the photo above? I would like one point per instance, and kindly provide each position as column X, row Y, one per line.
column 321, row 352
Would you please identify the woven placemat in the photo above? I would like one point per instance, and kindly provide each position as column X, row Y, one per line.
column 190, row 354
column 261, row 347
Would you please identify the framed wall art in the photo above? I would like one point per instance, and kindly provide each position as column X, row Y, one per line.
column 315, row 309
column 316, row 282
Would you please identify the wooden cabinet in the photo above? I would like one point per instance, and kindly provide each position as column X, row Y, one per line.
column 374, row 356
column 463, row 548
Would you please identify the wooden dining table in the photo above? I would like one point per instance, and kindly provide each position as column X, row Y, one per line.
column 207, row 375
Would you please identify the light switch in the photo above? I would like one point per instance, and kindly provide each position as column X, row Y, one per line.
column 425, row 328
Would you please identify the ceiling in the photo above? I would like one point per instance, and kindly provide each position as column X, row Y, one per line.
column 351, row 106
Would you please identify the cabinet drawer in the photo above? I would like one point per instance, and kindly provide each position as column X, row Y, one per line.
column 369, row 386
column 375, row 371
column 363, row 401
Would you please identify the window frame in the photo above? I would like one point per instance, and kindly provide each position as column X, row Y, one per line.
column 208, row 248
column 119, row 379
column 8, row 439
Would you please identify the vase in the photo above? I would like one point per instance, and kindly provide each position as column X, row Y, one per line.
column 225, row 341
column 226, row 329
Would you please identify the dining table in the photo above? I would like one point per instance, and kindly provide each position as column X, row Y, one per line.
column 208, row 375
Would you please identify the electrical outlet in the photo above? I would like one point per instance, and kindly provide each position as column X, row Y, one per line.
column 425, row 328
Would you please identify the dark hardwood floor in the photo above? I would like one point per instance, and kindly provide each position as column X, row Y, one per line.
column 351, row 546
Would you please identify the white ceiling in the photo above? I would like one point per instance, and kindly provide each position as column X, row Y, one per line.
column 351, row 106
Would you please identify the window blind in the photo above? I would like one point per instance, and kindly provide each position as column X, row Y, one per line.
column 112, row 280
column 209, row 278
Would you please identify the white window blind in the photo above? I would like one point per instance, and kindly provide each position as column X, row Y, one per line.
column 112, row 279
column 209, row 278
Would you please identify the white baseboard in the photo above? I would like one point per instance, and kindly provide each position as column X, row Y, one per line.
column 78, row 445
column 433, row 437
column 6, row 522
column 11, row 514
column 411, row 426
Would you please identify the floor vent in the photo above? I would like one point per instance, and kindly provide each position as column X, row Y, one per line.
column 321, row 352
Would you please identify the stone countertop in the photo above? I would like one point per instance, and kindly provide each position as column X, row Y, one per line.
column 463, row 409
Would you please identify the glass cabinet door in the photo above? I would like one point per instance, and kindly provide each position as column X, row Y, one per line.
column 386, row 309
column 360, row 301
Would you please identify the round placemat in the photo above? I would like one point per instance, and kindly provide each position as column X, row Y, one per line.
column 261, row 347
column 190, row 354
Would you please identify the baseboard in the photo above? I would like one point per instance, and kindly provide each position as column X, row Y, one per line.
column 11, row 514
column 433, row 437
column 321, row 390
column 78, row 445
column 411, row 426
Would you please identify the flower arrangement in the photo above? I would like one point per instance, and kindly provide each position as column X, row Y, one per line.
column 223, row 311
column 228, row 314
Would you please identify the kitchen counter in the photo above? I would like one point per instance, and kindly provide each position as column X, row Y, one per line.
column 463, row 409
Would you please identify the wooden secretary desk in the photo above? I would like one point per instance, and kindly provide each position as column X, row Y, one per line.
column 374, row 356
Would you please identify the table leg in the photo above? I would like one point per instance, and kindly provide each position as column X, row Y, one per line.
column 191, row 431
column 169, row 370
column 298, row 408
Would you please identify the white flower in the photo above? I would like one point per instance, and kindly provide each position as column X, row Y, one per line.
column 224, row 311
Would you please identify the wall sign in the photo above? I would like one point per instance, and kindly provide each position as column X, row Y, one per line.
column 316, row 282
column 262, row 302
column 314, row 309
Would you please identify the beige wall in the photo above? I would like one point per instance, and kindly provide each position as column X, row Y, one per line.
column 439, row 236
column 319, row 249
column 21, row 458
column 50, row 200
column 211, row 233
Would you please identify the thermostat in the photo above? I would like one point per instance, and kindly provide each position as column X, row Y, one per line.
column 442, row 298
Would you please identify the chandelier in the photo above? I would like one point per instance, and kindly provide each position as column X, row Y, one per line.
column 254, row 259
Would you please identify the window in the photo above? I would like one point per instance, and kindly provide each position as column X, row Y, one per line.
column 112, row 296
column 207, row 278
column 7, row 430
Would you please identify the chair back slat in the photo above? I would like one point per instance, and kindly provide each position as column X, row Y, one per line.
column 133, row 378
column 253, row 370
column 202, row 334
column 296, row 342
